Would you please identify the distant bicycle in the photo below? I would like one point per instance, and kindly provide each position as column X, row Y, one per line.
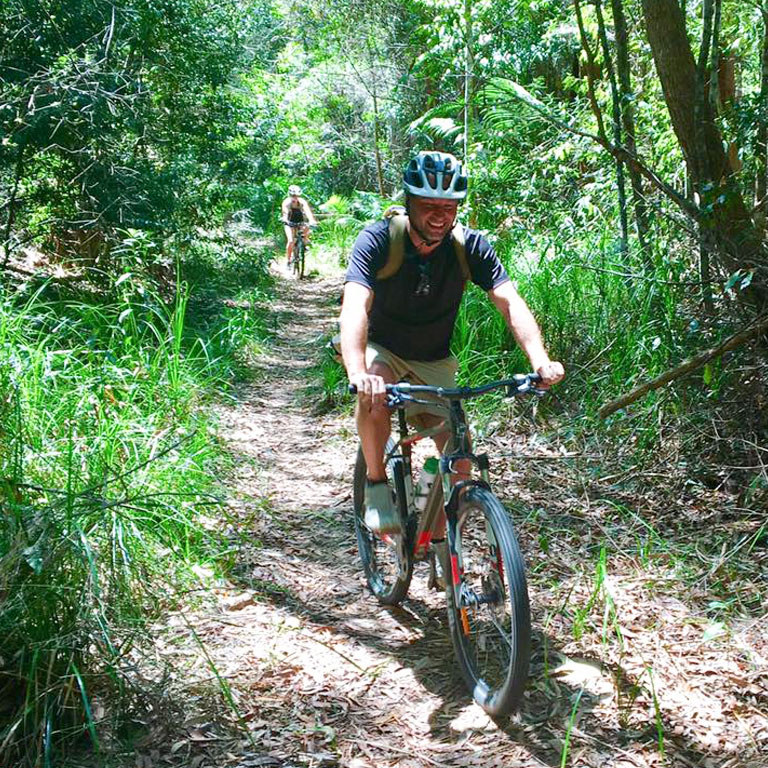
column 480, row 561
column 298, row 256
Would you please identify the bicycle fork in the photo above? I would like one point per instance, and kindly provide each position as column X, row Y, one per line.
column 464, row 599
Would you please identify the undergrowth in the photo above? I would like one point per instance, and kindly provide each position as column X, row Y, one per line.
column 108, row 462
column 615, row 327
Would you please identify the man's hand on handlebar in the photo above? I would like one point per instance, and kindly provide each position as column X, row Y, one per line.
column 551, row 372
column 371, row 389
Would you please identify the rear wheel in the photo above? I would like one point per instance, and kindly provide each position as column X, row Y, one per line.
column 488, row 607
column 386, row 560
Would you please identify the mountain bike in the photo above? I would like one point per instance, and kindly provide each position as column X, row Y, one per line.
column 479, row 563
column 298, row 256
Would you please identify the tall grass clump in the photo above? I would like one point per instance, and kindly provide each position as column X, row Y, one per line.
column 107, row 467
column 607, row 328
column 230, row 291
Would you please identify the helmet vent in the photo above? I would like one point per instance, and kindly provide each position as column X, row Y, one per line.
column 437, row 175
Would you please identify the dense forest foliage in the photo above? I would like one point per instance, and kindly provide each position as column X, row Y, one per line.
column 618, row 155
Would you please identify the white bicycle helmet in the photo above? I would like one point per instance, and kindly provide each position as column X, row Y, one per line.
column 294, row 190
column 437, row 175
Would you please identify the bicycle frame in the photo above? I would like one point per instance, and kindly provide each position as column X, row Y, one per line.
column 300, row 243
column 419, row 538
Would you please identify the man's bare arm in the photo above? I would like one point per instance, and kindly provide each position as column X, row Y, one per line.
column 354, row 338
column 523, row 325
column 354, row 326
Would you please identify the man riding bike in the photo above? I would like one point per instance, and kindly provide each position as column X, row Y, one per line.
column 397, row 323
column 295, row 211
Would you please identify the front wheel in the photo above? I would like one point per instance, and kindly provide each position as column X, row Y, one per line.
column 488, row 608
column 298, row 257
column 386, row 560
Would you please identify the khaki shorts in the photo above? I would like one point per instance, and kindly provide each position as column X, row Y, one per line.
column 436, row 373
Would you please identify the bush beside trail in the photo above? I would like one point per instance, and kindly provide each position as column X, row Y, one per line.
column 110, row 468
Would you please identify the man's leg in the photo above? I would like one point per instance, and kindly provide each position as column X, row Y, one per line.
column 373, row 428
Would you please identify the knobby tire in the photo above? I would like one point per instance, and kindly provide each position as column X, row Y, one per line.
column 490, row 623
column 386, row 561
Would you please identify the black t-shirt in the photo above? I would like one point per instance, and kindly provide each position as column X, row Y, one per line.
column 413, row 326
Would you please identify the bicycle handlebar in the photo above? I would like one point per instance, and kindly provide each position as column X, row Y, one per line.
column 519, row 384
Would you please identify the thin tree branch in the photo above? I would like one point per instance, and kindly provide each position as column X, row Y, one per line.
column 591, row 67
column 755, row 328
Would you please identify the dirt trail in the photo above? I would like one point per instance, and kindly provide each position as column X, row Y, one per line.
column 324, row 676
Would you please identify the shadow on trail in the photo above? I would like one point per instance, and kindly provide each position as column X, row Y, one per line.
column 544, row 724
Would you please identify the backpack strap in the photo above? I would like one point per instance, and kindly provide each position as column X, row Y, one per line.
column 398, row 222
column 396, row 255
column 460, row 249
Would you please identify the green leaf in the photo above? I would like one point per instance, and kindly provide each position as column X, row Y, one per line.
column 34, row 558
column 713, row 630
column 733, row 279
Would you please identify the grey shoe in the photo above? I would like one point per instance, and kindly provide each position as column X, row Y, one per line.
column 380, row 513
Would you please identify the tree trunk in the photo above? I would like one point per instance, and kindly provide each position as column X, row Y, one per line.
column 704, row 79
column 705, row 271
column 12, row 205
column 591, row 69
column 628, row 123
column 617, row 138
column 376, row 148
column 712, row 10
column 761, row 185
column 714, row 59
column 469, row 61
column 737, row 241
column 468, row 66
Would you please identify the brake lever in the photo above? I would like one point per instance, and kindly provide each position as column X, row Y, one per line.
column 396, row 399
column 523, row 386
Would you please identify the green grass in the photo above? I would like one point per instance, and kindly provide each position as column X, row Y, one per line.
column 566, row 748
column 109, row 464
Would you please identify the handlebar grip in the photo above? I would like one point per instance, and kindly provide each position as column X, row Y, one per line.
column 352, row 389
